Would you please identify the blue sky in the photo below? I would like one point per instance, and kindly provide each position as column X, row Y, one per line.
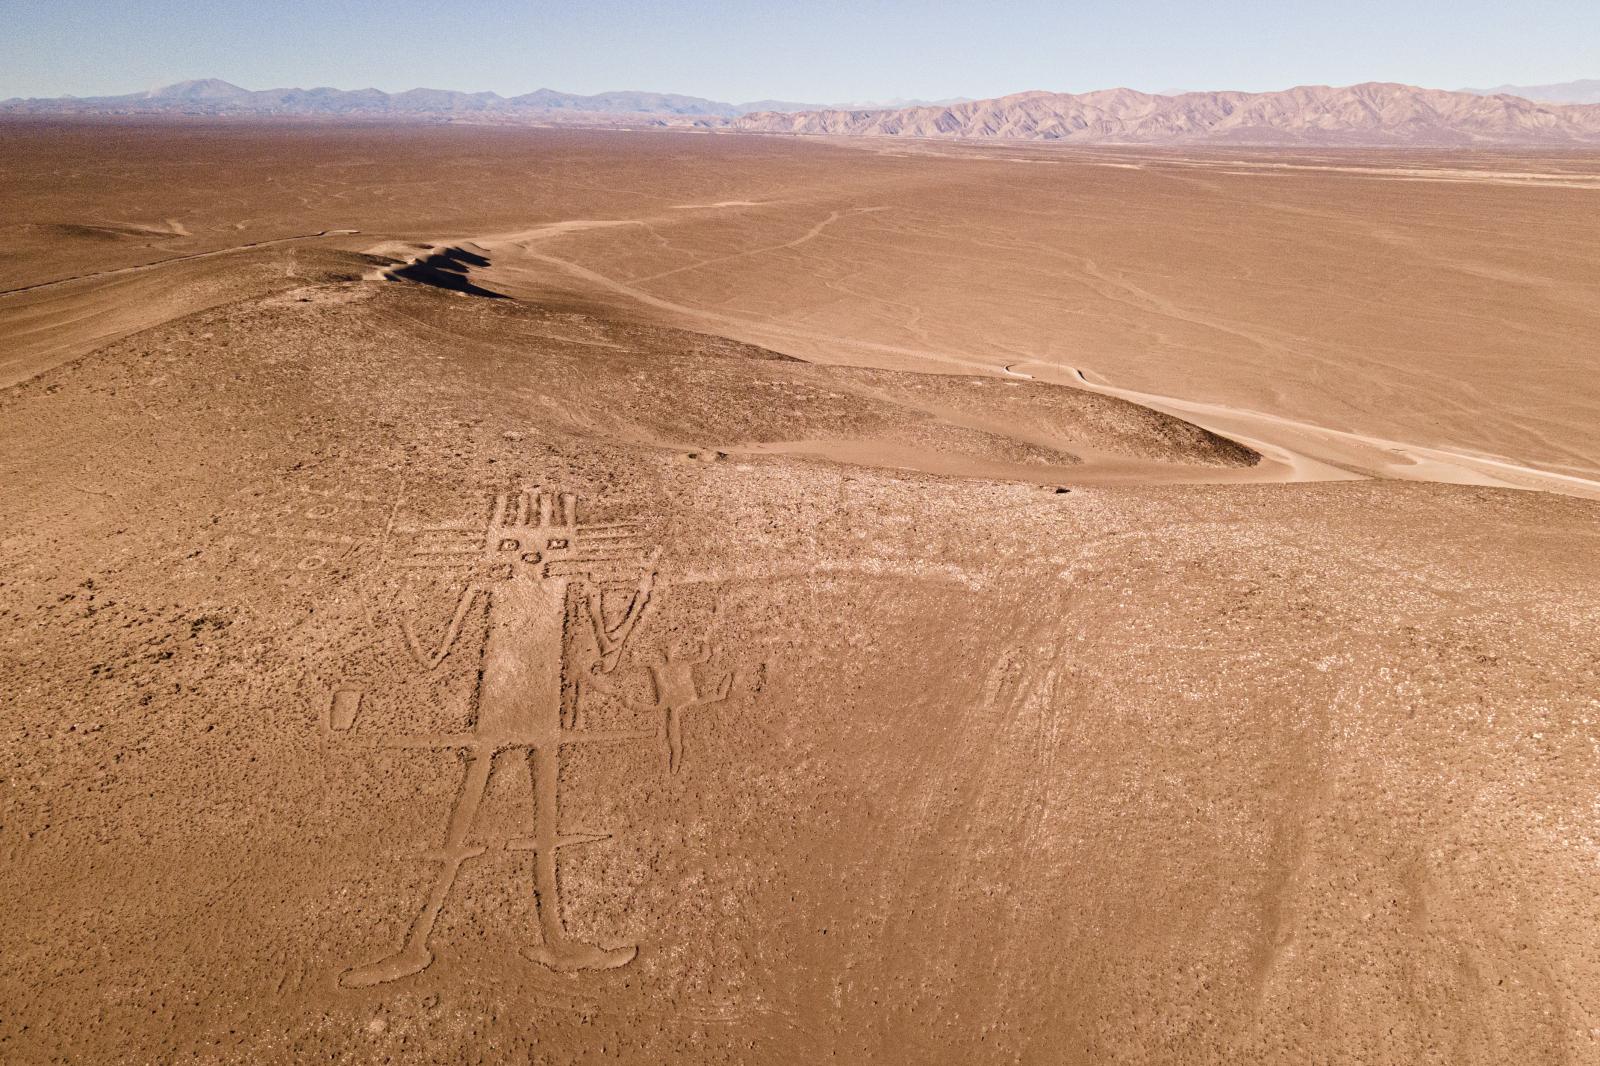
column 823, row 51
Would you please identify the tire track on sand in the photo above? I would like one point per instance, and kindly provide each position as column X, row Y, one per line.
column 191, row 257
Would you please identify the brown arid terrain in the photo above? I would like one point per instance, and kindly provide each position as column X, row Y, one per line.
column 495, row 595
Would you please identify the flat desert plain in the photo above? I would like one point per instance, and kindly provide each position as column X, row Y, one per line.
column 487, row 595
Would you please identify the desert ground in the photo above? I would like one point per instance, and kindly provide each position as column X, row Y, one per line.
column 487, row 595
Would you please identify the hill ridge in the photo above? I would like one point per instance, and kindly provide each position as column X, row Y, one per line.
column 1371, row 113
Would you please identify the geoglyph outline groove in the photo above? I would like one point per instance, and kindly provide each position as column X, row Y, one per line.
column 541, row 579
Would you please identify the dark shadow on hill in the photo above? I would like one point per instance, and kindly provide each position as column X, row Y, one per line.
column 448, row 268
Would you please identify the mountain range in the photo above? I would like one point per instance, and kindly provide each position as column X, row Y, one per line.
column 1375, row 113
column 212, row 96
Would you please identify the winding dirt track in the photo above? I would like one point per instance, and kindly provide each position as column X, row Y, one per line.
column 1293, row 451
column 1317, row 453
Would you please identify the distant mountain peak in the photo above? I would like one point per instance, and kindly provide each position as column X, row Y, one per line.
column 1584, row 91
column 197, row 89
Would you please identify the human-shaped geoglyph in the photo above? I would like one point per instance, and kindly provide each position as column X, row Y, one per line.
column 676, row 691
column 535, row 571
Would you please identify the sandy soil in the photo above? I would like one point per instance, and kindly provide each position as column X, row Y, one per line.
column 740, row 600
